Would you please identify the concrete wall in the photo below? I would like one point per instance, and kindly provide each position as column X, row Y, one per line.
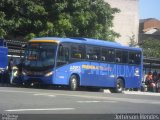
column 126, row 23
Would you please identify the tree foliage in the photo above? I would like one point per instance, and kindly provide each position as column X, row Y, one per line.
column 132, row 42
column 62, row 18
column 151, row 47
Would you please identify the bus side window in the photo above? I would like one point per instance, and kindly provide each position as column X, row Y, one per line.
column 104, row 54
column 118, row 57
column 118, row 60
column 111, row 55
column 103, row 58
column 77, row 51
column 87, row 56
column 125, row 57
column 131, row 58
column 134, row 58
column 137, row 58
column 63, row 56
column 88, row 53
column 93, row 53
column 107, row 55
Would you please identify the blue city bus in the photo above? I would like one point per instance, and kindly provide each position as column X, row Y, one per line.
column 77, row 62
column 3, row 57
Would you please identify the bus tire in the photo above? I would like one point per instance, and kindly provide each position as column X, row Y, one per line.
column 73, row 84
column 119, row 86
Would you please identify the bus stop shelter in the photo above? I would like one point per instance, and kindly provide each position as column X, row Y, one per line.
column 15, row 47
column 151, row 64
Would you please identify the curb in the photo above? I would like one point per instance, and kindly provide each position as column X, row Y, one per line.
column 132, row 92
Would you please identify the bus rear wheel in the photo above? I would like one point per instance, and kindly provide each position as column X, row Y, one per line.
column 119, row 86
column 73, row 83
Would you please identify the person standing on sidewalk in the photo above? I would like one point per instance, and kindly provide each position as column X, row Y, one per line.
column 150, row 83
column 10, row 69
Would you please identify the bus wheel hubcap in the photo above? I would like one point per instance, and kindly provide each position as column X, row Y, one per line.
column 119, row 86
column 73, row 82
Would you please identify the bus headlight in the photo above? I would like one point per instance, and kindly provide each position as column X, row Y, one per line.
column 49, row 74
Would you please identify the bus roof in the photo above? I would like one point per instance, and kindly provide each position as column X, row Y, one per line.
column 89, row 41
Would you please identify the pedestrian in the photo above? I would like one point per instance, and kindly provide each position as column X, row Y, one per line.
column 10, row 69
column 149, row 78
column 11, row 64
column 155, row 76
column 150, row 83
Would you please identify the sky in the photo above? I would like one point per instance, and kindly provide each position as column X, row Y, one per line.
column 149, row 9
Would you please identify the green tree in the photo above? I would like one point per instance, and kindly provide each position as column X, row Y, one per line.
column 151, row 47
column 3, row 24
column 132, row 42
column 62, row 18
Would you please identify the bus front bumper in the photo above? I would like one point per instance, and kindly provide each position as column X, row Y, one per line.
column 35, row 79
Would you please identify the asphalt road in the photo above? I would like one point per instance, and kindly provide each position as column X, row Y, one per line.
column 50, row 101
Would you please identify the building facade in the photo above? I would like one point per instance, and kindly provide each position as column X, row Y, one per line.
column 126, row 23
column 149, row 26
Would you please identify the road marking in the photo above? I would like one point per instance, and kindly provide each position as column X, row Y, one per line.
column 96, row 101
column 110, row 101
column 39, row 109
column 88, row 101
column 15, row 91
column 50, row 95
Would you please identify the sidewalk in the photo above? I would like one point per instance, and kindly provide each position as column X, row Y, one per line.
column 134, row 92
column 142, row 93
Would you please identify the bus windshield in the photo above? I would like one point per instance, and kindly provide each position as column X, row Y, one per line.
column 40, row 56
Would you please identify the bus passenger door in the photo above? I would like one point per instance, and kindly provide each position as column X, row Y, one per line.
column 62, row 69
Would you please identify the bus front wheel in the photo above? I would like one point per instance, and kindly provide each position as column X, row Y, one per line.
column 73, row 83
